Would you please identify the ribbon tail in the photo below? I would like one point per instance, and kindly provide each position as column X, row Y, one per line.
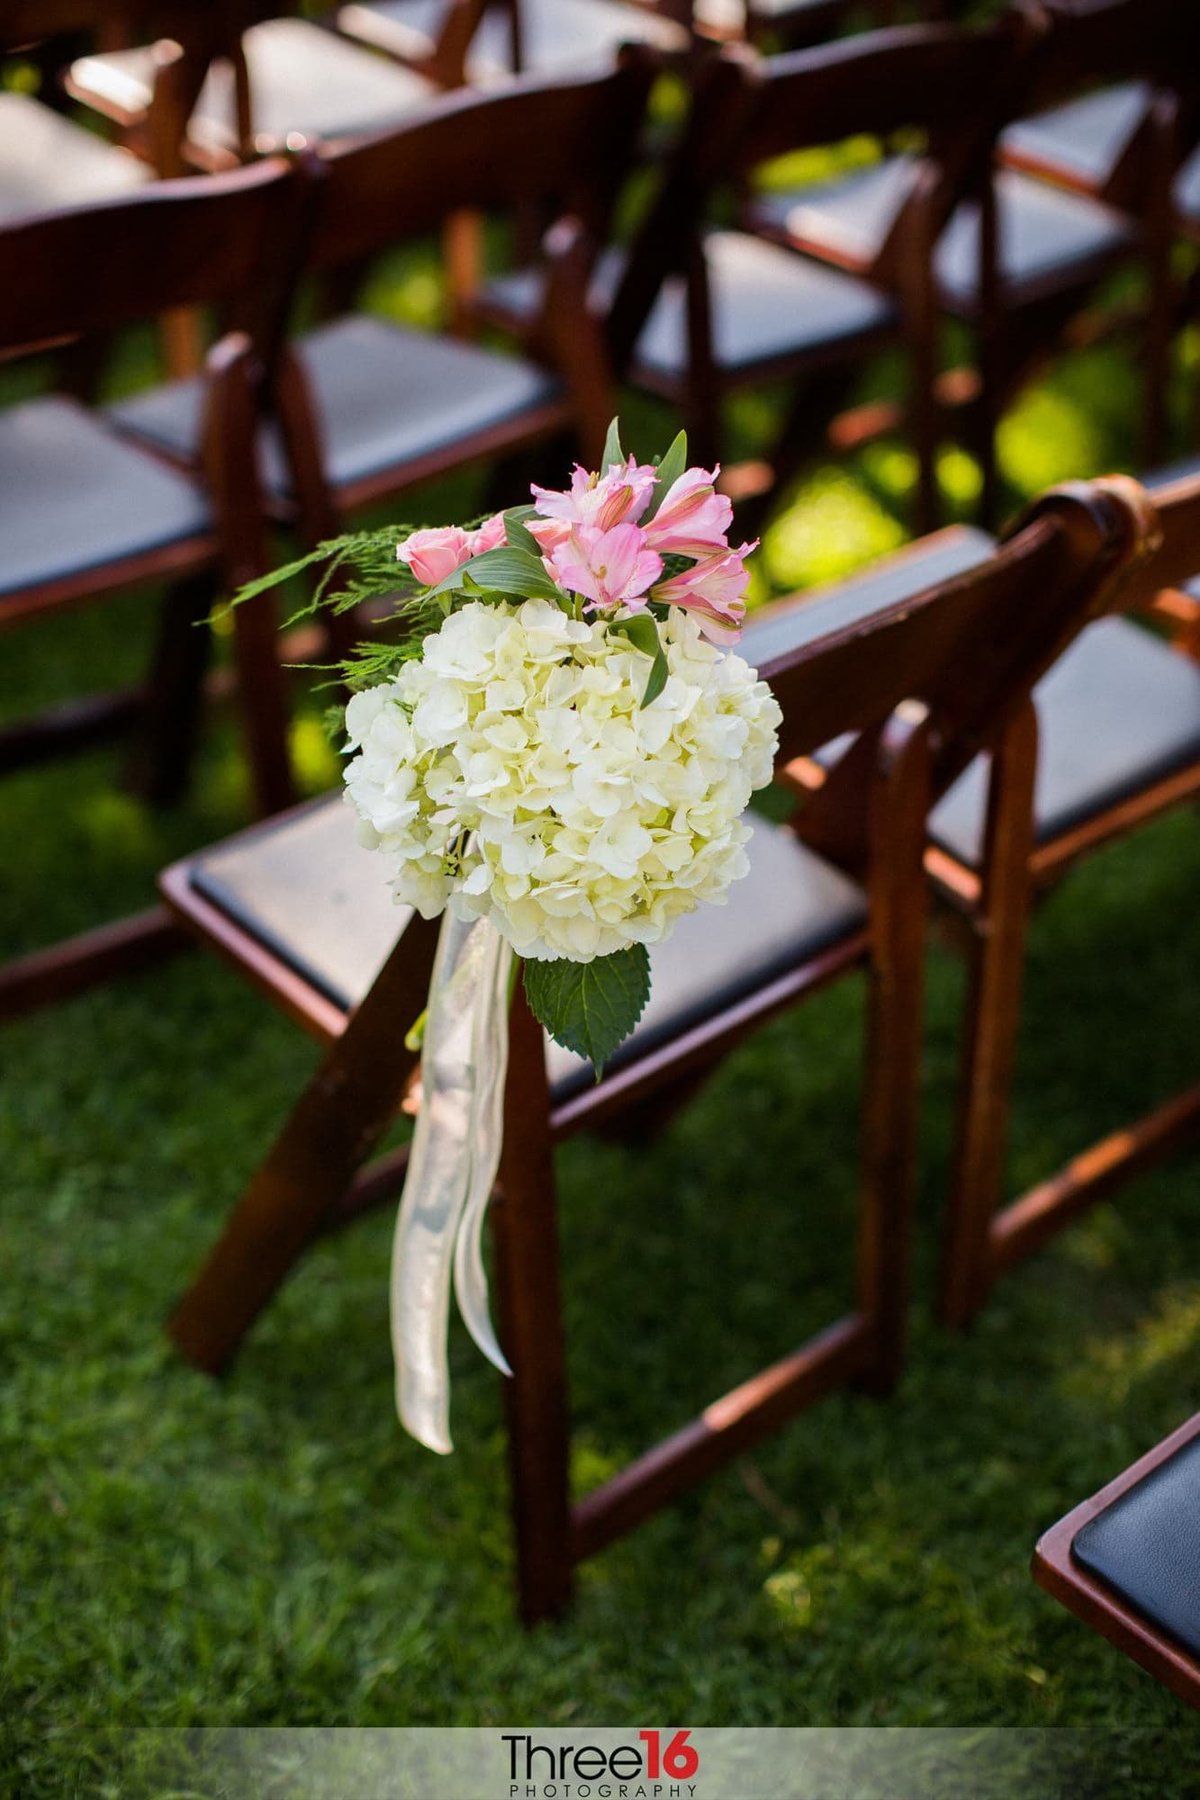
column 487, row 1132
column 436, row 1186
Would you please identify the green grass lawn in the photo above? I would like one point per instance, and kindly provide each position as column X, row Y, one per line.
column 273, row 1550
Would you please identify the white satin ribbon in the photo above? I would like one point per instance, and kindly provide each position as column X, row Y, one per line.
column 451, row 1171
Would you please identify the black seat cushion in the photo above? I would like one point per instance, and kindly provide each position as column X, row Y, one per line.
column 46, row 162
column 73, row 497
column 303, row 80
column 1085, row 137
column 1044, row 234
column 384, row 395
column 306, row 888
column 1117, row 713
column 768, row 304
column 1146, row 1545
column 1187, row 191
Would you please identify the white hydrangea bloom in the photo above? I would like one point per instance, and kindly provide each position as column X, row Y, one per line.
column 511, row 772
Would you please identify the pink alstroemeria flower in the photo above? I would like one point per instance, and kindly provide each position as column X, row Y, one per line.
column 609, row 568
column 618, row 497
column 715, row 590
column 693, row 519
column 436, row 552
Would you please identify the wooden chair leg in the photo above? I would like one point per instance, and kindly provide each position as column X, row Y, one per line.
column 993, row 1018
column 525, row 1233
column 340, row 1117
column 900, row 805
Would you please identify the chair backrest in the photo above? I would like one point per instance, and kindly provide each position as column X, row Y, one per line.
column 1091, row 41
column 561, row 146
column 25, row 22
column 230, row 241
column 969, row 650
column 947, row 81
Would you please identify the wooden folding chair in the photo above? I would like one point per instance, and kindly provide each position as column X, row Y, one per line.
column 1017, row 259
column 304, row 914
column 47, row 160
column 366, row 407
column 695, row 314
column 1127, row 1562
column 84, row 514
column 1092, row 142
column 536, row 37
column 1113, row 742
column 258, row 82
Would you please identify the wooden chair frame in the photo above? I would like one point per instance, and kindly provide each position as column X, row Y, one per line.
column 249, row 224
column 1016, row 323
column 475, row 153
column 989, row 908
column 747, row 111
column 1091, row 41
column 985, row 1237
column 898, row 684
column 1093, row 1601
column 214, row 32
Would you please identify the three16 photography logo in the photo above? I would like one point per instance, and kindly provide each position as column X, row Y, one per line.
column 657, row 1766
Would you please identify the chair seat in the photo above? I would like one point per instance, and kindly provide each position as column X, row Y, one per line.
column 556, row 35
column 47, row 163
column 306, row 889
column 385, row 395
column 768, row 305
column 74, row 497
column 303, row 79
column 1083, row 138
column 1117, row 713
column 850, row 216
column 1146, row 1545
column 1044, row 234
column 727, row 18
column 1187, row 191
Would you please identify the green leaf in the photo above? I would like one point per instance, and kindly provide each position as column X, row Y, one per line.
column 277, row 577
column 502, row 571
column 591, row 1007
column 657, row 681
column 642, row 632
column 613, row 452
column 669, row 470
column 516, row 534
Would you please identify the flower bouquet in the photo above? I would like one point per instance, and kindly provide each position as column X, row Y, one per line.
column 555, row 753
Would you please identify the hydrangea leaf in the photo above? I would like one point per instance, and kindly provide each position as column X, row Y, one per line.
column 504, row 570
column 670, row 469
column 590, row 1007
column 642, row 632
